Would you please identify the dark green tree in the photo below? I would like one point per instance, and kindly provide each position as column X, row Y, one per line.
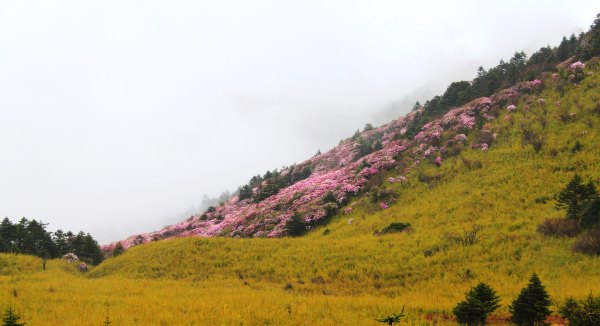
column 10, row 318
column 61, row 241
column 592, row 47
column 480, row 301
column 295, row 226
column 591, row 216
column 563, row 52
column 7, row 236
column 583, row 313
column 576, row 197
column 245, row 192
column 530, row 308
column 119, row 249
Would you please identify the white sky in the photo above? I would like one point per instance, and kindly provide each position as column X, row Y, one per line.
column 117, row 115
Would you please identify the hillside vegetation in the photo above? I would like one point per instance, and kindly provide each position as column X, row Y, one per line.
column 348, row 272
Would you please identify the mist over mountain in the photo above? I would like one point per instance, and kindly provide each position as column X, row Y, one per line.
column 116, row 117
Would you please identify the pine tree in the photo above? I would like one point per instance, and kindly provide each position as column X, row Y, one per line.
column 530, row 308
column 295, row 226
column 576, row 197
column 118, row 249
column 480, row 301
column 593, row 47
column 583, row 313
column 10, row 318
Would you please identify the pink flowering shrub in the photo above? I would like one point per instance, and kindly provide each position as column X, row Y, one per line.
column 383, row 205
column 576, row 69
column 577, row 66
column 438, row 161
column 511, row 108
column 398, row 179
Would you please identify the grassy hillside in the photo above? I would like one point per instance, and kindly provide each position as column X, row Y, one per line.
column 341, row 273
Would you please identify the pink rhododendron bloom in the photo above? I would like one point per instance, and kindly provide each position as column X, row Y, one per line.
column 577, row 65
column 465, row 121
column 429, row 151
column 383, row 205
column 511, row 108
column 484, row 147
column 368, row 171
column 397, row 179
column 438, row 161
column 460, row 138
column 348, row 210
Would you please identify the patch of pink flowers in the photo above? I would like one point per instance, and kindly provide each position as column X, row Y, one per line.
column 397, row 179
column 511, row 108
column 577, row 65
column 383, row 205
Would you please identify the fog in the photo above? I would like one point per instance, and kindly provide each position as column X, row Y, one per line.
column 116, row 117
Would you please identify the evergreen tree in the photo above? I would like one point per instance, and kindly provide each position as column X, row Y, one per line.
column 583, row 313
column 245, row 192
column 562, row 52
column 480, row 301
column 295, row 226
column 530, row 308
column 61, row 242
column 591, row 216
column 119, row 249
column 10, row 318
column 592, row 48
column 7, row 236
column 576, row 197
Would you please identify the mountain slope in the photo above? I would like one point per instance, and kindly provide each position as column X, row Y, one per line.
column 504, row 191
column 318, row 187
column 346, row 272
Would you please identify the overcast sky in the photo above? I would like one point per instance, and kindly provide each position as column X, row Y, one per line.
column 117, row 116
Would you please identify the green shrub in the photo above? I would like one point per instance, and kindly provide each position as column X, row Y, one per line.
column 583, row 313
column 295, row 226
column 480, row 301
column 394, row 228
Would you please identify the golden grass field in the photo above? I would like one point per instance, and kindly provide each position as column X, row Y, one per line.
column 349, row 276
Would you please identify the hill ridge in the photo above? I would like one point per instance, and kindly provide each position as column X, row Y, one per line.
column 344, row 171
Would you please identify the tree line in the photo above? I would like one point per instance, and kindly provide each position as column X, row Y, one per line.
column 30, row 237
column 507, row 73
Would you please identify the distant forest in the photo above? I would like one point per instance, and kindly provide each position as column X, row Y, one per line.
column 31, row 238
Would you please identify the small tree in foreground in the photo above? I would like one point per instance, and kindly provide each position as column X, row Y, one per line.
column 10, row 318
column 583, row 313
column 391, row 319
column 480, row 301
column 530, row 308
